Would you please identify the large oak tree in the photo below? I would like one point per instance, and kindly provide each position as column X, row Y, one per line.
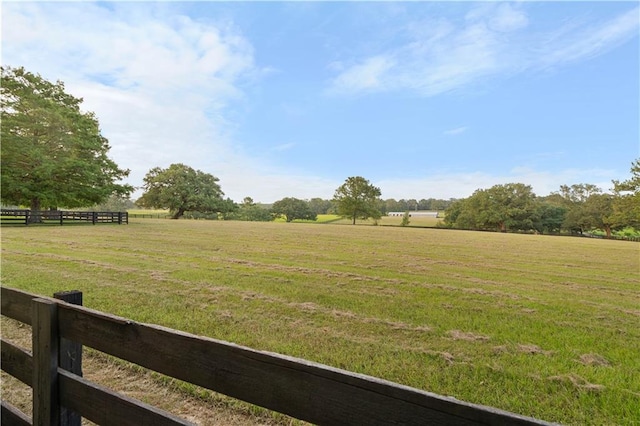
column 53, row 154
column 181, row 188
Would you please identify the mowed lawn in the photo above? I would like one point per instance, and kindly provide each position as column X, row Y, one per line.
column 543, row 326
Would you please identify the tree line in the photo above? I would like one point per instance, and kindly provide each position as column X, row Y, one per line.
column 53, row 154
column 572, row 209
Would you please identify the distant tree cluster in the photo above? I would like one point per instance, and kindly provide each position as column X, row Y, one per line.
column 248, row 210
column 577, row 208
column 293, row 209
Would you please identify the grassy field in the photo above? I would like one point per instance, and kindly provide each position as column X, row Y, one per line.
column 543, row 326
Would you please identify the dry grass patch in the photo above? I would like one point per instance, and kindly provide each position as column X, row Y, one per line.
column 471, row 337
column 533, row 350
column 594, row 359
column 577, row 381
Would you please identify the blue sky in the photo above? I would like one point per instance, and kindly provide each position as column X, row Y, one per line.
column 277, row 99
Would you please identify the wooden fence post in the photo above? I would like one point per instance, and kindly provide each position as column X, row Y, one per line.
column 70, row 358
column 45, row 362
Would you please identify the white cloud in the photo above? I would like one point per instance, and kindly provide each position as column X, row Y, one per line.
column 267, row 187
column 158, row 82
column 443, row 56
column 456, row 131
column 283, row 147
column 596, row 39
column 369, row 75
column 507, row 18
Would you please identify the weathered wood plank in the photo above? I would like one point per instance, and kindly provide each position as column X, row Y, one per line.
column 299, row 388
column 70, row 351
column 70, row 357
column 11, row 416
column 16, row 362
column 105, row 407
column 16, row 304
column 46, row 410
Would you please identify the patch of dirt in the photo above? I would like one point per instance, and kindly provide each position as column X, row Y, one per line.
column 461, row 335
column 594, row 360
column 576, row 381
column 533, row 350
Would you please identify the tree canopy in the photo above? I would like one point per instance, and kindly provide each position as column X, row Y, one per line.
column 292, row 209
column 180, row 188
column 53, row 154
column 502, row 207
column 356, row 198
column 626, row 205
column 248, row 210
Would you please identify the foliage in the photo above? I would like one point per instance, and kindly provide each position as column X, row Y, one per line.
column 578, row 193
column 250, row 211
column 626, row 205
column 587, row 208
column 356, row 198
column 502, row 207
column 180, row 188
column 115, row 203
column 320, row 206
column 53, row 154
column 293, row 209
column 551, row 217
column 405, row 219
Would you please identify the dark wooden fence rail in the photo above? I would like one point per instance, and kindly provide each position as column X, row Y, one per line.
column 26, row 217
column 302, row 389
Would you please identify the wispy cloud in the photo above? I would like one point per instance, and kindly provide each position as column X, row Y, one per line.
column 369, row 75
column 589, row 41
column 283, row 147
column 442, row 55
column 455, row 131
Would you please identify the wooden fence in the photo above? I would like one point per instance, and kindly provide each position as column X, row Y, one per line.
column 302, row 389
column 150, row 215
column 28, row 217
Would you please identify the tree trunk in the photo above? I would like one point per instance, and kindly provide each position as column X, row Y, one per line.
column 178, row 213
column 354, row 219
column 607, row 229
column 35, row 216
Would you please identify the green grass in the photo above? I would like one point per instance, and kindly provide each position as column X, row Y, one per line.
column 543, row 326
